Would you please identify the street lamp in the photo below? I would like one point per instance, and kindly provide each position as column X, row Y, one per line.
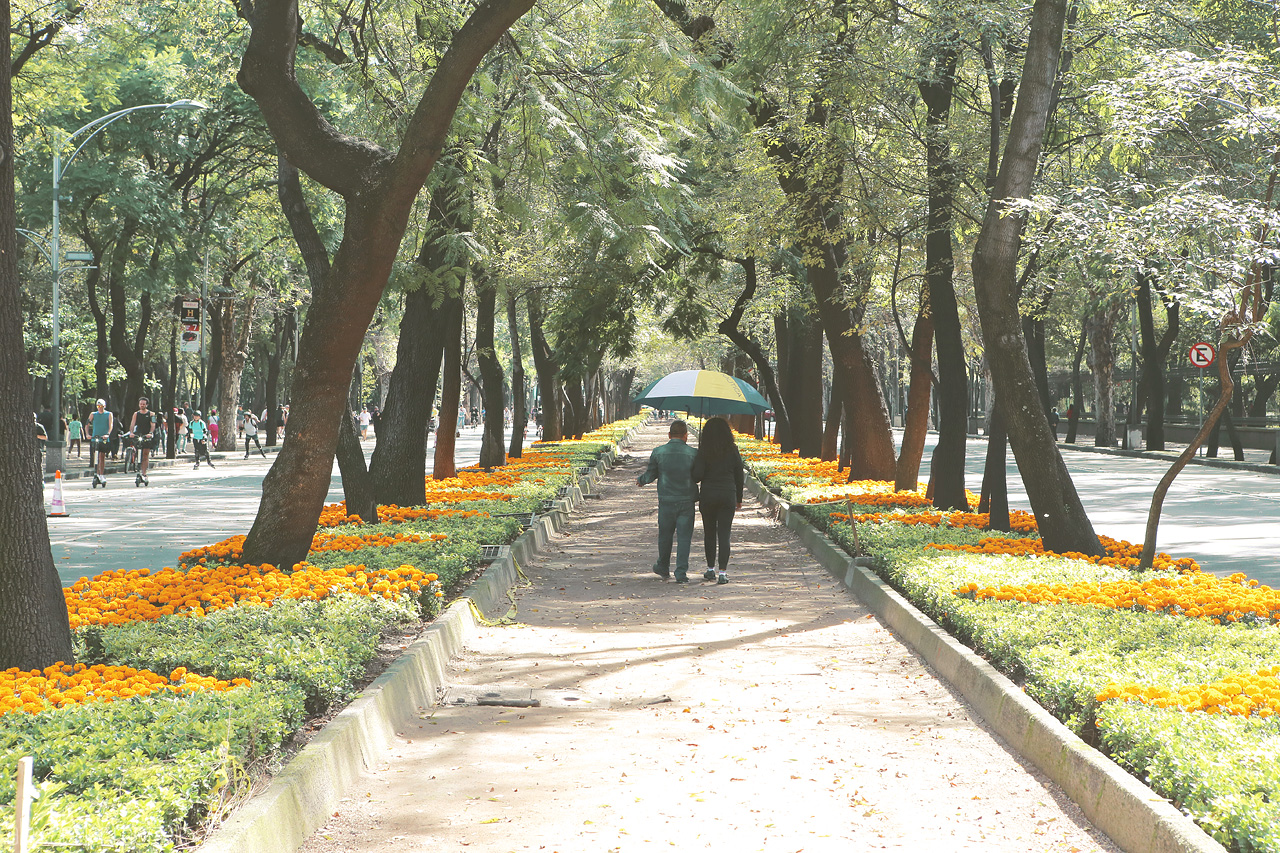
column 90, row 130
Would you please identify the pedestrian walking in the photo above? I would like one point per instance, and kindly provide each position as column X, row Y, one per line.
column 42, row 438
column 181, row 417
column 671, row 465
column 213, row 426
column 75, row 434
column 101, row 426
column 251, row 433
column 717, row 469
column 200, row 439
column 462, row 420
column 365, row 419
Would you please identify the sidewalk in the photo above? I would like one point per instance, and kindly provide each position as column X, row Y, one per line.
column 773, row 714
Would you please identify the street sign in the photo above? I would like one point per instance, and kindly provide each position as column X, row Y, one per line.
column 79, row 256
column 189, row 316
column 1202, row 355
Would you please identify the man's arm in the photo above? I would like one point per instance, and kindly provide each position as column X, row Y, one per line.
column 133, row 423
column 650, row 473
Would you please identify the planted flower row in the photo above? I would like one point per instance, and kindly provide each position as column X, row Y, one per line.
column 1174, row 672
column 188, row 680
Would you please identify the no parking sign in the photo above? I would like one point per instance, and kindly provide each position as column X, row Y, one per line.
column 1202, row 355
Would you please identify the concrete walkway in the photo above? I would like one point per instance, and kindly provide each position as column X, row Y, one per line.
column 773, row 713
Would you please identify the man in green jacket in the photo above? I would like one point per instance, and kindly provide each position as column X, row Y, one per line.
column 672, row 466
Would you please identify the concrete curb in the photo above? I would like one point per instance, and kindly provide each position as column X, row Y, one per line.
column 1135, row 817
column 302, row 796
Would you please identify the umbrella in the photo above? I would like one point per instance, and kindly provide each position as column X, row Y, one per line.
column 704, row 392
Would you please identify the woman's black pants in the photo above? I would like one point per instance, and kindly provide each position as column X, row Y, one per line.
column 717, row 521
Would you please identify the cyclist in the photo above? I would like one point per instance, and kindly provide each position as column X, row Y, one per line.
column 200, row 438
column 142, row 426
column 101, row 425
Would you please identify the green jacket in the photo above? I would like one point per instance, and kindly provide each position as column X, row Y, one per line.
column 672, row 466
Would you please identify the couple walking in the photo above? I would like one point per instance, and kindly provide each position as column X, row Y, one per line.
column 711, row 476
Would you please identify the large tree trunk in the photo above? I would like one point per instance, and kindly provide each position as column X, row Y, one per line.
column 34, row 632
column 282, row 338
column 492, row 452
column 444, row 467
column 544, row 363
column 102, row 349
column 916, row 422
column 1063, row 523
column 380, row 189
column 946, row 468
column 802, row 388
column 575, row 406
column 519, row 400
column 398, row 467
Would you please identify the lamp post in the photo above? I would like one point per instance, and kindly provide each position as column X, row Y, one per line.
column 89, row 131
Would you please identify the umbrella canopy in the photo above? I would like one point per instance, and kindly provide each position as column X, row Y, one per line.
column 704, row 392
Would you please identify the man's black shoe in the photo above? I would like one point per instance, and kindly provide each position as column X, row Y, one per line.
column 661, row 572
column 682, row 577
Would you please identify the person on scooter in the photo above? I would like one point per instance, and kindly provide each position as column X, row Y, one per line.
column 142, row 426
column 101, row 425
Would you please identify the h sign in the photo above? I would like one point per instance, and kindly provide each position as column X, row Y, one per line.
column 1202, row 354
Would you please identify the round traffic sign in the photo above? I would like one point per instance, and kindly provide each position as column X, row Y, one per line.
column 1202, row 354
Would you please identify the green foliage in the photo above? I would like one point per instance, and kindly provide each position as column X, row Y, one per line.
column 138, row 774
column 317, row 647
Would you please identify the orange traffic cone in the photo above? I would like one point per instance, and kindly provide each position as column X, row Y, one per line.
column 59, row 509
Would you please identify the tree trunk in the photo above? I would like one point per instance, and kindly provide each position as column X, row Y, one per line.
column 544, row 364
column 379, row 188
column 1154, row 354
column 946, row 468
column 398, row 467
column 125, row 352
column 444, row 466
column 1063, row 523
column 831, row 432
column 34, row 631
column 1102, row 361
column 1077, row 386
column 519, row 400
column 235, row 355
column 575, row 415
column 492, row 452
column 282, row 338
column 803, row 387
column 764, row 370
column 995, row 482
column 357, row 485
column 102, row 349
column 916, row 422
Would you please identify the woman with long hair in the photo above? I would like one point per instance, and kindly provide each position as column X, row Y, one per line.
column 718, row 470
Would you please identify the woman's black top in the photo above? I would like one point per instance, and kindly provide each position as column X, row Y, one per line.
column 721, row 478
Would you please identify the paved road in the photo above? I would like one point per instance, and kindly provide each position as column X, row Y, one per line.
column 1227, row 520
column 124, row 527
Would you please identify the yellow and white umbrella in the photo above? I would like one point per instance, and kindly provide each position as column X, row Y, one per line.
column 703, row 392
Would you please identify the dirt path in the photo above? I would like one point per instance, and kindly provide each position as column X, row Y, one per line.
column 773, row 713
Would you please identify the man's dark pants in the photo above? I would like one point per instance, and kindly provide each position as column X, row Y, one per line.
column 675, row 519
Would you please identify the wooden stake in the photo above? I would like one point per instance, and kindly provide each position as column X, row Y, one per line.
column 22, row 806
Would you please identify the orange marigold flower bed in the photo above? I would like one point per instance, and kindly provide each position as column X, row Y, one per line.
column 1197, row 595
column 62, row 684
column 1119, row 553
column 1019, row 520
column 1246, row 695
column 116, row 597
